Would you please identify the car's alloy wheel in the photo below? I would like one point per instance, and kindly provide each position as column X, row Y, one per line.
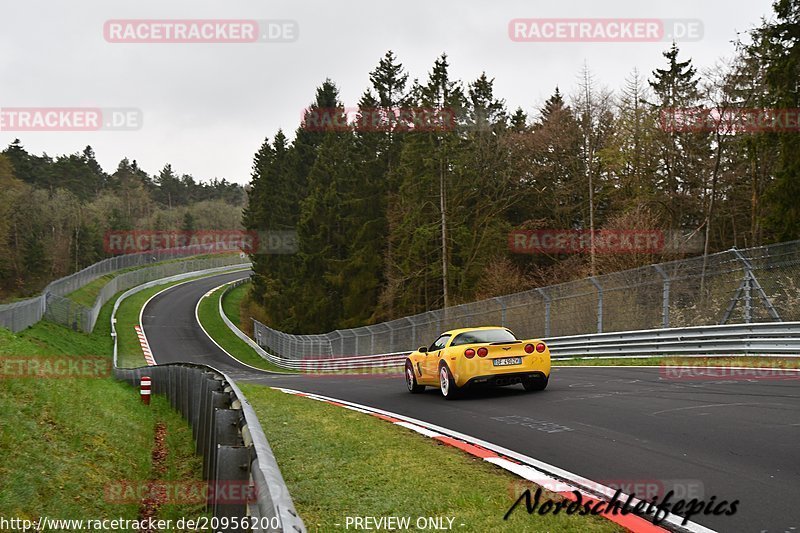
column 447, row 384
column 411, row 380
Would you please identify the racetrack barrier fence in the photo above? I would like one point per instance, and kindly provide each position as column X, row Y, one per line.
column 226, row 432
column 232, row 443
column 55, row 305
column 751, row 286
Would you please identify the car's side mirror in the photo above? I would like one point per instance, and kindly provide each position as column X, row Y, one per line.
column 423, row 349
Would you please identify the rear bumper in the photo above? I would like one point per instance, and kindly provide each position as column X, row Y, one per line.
column 510, row 378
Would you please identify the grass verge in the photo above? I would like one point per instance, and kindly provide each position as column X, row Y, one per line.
column 339, row 463
column 232, row 303
column 66, row 442
column 208, row 314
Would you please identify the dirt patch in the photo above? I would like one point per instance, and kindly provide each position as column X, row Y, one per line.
column 155, row 498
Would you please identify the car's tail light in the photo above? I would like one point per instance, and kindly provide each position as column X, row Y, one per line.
column 483, row 352
column 541, row 347
column 469, row 353
column 529, row 348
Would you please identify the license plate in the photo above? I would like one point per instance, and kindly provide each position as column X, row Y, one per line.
column 507, row 361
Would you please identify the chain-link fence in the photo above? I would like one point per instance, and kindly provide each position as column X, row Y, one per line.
column 17, row 316
column 738, row 286
column 64, row 311
column 53, row 303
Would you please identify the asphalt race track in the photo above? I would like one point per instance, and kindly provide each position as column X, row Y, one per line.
column 729, row 439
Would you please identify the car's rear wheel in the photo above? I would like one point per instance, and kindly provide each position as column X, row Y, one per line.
column 411, row 380
column 447, row 384
column 534, row 384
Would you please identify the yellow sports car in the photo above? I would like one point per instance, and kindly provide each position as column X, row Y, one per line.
column 488, row 355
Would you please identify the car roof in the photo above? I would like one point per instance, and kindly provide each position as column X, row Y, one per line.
column 481, row 328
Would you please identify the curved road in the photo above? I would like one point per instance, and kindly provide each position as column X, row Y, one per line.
column 626, row 427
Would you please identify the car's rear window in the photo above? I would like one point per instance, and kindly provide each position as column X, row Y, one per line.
column 483, row 335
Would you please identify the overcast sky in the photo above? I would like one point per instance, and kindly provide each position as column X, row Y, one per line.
column 207, row 107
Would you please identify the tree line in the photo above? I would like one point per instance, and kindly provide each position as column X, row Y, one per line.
column 55, row 212
column 395, row 220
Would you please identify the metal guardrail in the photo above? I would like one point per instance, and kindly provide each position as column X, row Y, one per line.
column 735, row 339
column 53, row 303
column 230, row 440
column 768, row 338
column 738, row 286
column 226, row 430
column 64, row 311
column 312, row 365
column 764, row 339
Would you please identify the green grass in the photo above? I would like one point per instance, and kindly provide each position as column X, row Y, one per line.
column 88, row 294
column 339, row 463
column 231, row 306
column 64, row 441
column 232, row 302
column 208, row 314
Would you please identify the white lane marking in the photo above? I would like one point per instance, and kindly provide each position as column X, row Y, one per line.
column 532, row 423
column 414, row 427
column 703, row 407
column 165, row 289
column 575, row 481
column 356, row 409
column 531, row 474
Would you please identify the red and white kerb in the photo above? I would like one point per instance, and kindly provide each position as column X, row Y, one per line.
column 148, row 355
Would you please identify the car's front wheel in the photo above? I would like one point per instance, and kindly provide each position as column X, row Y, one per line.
column 411, row 380
column 534, row 384
column 447, row 384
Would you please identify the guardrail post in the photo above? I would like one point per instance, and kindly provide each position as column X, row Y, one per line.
column 231, row 483
column 664, row 296
column 185, row 394
column 197, row 429
column 173, row 387
column 194, row 393
column 225, row 432
column 219, row 400
column 599, row 303
column 209, row 384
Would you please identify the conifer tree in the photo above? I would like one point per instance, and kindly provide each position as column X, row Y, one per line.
column 683, row 155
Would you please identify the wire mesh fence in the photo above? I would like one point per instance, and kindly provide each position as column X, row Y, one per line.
column 737, row 286
column 54, row 304
column 64, row 311
column 17, row 316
